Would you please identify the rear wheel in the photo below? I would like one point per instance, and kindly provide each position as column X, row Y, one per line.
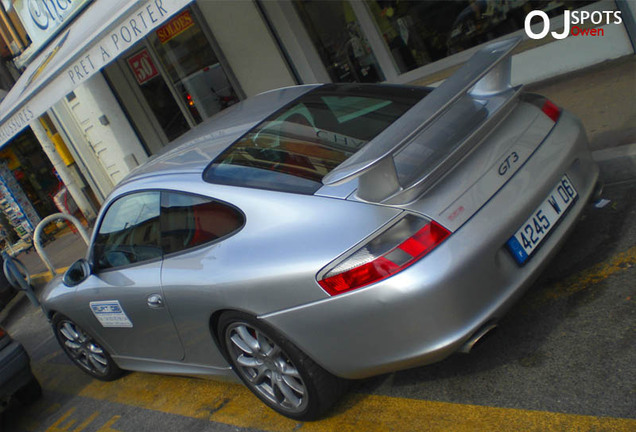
column 84, row 351
column 275, row 370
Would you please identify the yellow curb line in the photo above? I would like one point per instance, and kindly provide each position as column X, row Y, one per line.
column 233, row 404
column 46, row 277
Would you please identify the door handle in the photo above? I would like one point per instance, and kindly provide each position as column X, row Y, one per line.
column 155, row 301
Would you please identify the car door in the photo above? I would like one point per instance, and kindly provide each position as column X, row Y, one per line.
column 195, row 231
column 123, row 296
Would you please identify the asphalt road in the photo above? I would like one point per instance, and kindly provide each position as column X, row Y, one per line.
column 562, row 359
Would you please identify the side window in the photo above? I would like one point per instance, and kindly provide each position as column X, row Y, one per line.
column 129, row 232
column 189, row 220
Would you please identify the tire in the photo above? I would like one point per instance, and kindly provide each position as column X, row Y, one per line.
column 83, row 350
column 277, row 372
column 30, row 392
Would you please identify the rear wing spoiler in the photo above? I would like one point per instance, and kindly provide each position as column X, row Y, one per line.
column 486, row 74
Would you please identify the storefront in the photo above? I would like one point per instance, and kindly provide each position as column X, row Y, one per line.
column 172, row 80
column 118, row 80
column 64, row 99
column 424, row 41
column 117, row 90
column 32, row 170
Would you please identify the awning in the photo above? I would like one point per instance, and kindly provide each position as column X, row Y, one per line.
column 104, row 30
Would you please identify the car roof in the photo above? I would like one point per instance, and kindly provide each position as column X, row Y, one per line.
column 194, row 150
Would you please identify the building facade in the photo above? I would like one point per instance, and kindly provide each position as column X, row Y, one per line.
column 107, row 84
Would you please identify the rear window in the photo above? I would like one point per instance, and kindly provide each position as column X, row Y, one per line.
column 294, row 148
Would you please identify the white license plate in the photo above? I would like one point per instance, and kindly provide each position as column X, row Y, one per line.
column 533, row 231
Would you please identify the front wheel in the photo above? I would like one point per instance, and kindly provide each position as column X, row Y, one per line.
column 275, row 370
column 83, row 350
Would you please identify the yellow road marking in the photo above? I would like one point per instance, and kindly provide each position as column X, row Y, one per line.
column 45, row 277
column 108, row 424
column 597, row 273
column 86, row 422
column 57, row 425
column 233, row 404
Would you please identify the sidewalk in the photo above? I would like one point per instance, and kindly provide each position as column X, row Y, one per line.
column 603, row 96
column 62, row 252
column 67, row 248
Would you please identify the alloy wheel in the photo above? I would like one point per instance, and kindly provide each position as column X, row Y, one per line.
column 82, row 348
column 266, row 367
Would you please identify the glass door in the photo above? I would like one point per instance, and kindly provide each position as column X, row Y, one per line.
column 172, row 118
column 176, row 77
column 192, row 67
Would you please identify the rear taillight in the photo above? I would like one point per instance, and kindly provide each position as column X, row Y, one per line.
column 2, row 333
column 385, row 255
column 551, row 110
column 546, row 106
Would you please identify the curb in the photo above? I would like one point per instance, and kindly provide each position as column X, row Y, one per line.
column 40, row 279
column 616, row 164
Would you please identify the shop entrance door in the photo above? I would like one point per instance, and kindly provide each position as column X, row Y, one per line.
column 171, row 117
column 172, row 80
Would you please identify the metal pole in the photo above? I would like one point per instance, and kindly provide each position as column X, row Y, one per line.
column 38, row 231
column 12, row 273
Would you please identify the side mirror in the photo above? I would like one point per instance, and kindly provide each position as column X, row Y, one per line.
column 77, row 273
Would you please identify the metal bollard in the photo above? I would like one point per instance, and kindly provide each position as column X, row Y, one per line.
column 38, row 231
column 17, row 279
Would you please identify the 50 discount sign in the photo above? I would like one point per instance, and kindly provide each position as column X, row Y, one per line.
column 142, row 66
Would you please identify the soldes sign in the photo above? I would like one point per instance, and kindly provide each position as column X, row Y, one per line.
column 571, row 20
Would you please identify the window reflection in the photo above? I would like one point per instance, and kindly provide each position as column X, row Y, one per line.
column 308, row 138
column 336, row 34
column 129, row 232
column 420, row 32
column 193, row 67
column 189, row 221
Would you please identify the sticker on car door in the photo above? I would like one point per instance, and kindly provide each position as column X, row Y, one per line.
column 109, row 313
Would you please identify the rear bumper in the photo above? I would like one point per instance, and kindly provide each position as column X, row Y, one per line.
column 429, row 310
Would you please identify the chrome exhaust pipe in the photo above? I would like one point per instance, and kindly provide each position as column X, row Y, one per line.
column 477, row 336
column 598, row 191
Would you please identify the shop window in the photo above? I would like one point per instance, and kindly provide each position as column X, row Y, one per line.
column 420, row 32
column 192, row 66
column 336, row 34
column 179, row 76
column 188, row 221
column 157, row 94
column 14, row 37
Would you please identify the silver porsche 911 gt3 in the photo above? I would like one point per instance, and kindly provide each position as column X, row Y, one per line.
column 320, row 233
